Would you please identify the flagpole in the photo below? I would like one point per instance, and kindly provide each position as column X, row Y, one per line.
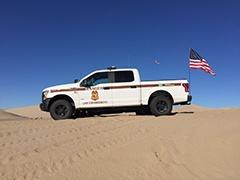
column 189, row 72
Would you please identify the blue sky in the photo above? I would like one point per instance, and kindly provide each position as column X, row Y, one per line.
column 43, row 43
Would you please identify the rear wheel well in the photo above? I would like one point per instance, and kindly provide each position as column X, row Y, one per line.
column 58, row 97
column 160, row 93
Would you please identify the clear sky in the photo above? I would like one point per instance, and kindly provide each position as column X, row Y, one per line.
column 46, row 42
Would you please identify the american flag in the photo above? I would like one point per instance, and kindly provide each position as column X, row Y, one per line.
column 198, row 62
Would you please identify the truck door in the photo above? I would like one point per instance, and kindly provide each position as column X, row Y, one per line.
column 125, row 90
column 97, row 91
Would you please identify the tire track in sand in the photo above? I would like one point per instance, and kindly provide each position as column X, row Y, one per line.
column 116, row 134
column 36, row 149
column 56, row 133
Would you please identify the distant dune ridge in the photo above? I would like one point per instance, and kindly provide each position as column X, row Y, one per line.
column 7, row 115
column 191, row 108
column 29, row 111
column 192, row 143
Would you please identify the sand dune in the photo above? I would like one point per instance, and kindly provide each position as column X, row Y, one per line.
column 193, row 143
column 190, row 108
column 9, row 116
column 30, row 111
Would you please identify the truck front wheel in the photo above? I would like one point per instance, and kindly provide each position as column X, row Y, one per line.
column 160, row 105
column 61, row 109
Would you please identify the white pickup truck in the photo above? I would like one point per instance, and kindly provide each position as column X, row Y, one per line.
column 114, row 90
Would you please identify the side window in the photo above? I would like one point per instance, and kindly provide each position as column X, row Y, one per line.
column 123, row 76
column 95, row 79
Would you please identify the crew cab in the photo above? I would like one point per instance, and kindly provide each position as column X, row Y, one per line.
column 114, row 90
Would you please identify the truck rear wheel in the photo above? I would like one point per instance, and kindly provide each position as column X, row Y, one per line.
column 160, row 105
column 61, row 109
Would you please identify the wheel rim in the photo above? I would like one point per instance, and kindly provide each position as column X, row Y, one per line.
column 61, row 110
column 162, row 106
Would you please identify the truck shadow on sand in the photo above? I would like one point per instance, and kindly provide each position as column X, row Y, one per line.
column 132, row 114
column 124, row 115
column 184, row 112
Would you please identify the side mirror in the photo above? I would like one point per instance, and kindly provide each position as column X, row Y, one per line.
column 76, row 80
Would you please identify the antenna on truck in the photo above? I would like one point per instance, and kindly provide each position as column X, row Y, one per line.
column 112, row 67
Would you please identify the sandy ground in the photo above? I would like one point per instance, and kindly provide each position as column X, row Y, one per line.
column 194, row 143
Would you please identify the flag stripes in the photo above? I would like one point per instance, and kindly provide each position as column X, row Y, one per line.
column 198, row 62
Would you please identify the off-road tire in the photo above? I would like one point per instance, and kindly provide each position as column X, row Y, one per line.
column 160, row 105
column 61, row 109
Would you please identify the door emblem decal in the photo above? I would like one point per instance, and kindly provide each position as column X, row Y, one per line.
column 94, row 95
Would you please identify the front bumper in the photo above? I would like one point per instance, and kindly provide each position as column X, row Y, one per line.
column 44, row 106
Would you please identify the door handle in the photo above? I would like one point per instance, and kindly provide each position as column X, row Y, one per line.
column 133, row 86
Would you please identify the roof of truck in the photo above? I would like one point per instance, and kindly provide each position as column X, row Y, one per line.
column 116, row 69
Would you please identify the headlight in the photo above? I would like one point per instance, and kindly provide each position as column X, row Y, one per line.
column 44, row 95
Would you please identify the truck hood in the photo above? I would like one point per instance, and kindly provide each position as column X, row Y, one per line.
column 62, row 86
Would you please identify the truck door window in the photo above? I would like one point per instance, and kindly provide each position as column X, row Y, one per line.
column 95, row 79
column 123, row 76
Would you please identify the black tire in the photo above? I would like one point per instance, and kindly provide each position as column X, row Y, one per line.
column 160, row 105
column 61, row 109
